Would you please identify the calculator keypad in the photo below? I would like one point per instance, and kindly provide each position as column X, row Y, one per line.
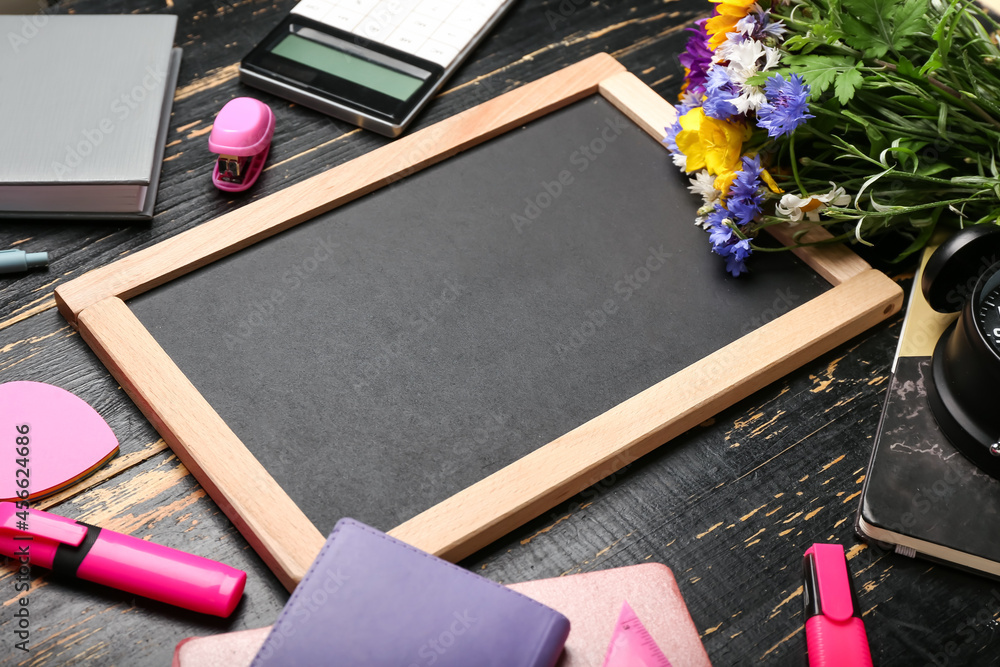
column 436, row 30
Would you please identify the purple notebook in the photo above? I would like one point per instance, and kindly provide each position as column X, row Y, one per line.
column 369, row 599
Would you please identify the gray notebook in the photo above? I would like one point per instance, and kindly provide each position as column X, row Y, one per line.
column 87, row 101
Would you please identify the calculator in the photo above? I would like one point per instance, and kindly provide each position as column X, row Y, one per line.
column 374, row 63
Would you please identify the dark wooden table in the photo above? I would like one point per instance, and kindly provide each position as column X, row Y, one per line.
column 730, row 506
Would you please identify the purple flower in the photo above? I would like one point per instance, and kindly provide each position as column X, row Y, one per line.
column 786, row 105
column 720, row 92
column 744, row 199
column 696, row 59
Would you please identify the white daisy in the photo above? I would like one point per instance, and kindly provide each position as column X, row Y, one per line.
column 750, row 99
column 703, row 184
column 771, row 57
column 724, row 51
column 743, row 59
column 794, row 207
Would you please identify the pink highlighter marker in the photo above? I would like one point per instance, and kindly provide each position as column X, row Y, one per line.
column 835, row 633
column 129, row 564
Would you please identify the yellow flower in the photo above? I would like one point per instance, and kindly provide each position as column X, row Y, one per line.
column 769, row 181
column 710, row 143
column 724, row 181
column 730, row 12
column 734, row 7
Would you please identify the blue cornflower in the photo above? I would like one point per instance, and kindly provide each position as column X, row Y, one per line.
column 759, row 25
column 726, row 243
column 744, row 199
column 720, row 92
column 743, row 204
column 671, row 139
column 737, row 257
column 769, row 27
column 720, row 235
column 786, row 105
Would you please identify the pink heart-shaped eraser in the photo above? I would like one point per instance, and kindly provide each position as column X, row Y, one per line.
column 66, row 439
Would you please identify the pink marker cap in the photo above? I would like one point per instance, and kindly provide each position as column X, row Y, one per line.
column 834, row 584
column 835, row 633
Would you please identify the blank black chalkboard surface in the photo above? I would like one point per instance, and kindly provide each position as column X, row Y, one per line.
column 471, row 342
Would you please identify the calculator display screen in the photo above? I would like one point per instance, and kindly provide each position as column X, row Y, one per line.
column 346, row 66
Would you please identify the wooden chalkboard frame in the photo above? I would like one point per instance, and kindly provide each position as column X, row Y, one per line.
column 271, row 522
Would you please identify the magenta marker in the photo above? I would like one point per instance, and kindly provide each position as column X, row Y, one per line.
column 835, row 633
column 129, row 564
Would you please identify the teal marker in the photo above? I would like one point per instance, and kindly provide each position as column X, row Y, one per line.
column 15, row 261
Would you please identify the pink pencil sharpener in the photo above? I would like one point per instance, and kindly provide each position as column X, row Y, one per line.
column 242, row 137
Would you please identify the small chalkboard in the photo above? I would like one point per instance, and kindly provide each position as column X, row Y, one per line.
column 464, row 347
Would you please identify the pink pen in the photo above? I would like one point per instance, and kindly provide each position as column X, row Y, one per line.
column 835, row 633
column 129, row 564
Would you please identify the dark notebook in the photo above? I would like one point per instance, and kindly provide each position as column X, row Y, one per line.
column 921, row 496
column 369, row 599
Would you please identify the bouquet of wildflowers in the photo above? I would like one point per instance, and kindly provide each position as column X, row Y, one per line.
column 864, row 116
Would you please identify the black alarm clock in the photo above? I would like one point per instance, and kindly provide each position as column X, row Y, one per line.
column 963, row 275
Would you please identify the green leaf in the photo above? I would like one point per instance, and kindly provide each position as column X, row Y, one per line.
column 934, row 63
column 908, row 20
column 848, row 81
column 906, row 68
column 860, row 120
column 875, row 26
column 914, row 103
column 819, row 71
column 795, row 43
column 867, row 25
column 877, row 139
column 923, row 236
column 933, row 169
column 827, row 32
column 943, row 34
column 942, row 123
column 859, row 36
column 760, row 78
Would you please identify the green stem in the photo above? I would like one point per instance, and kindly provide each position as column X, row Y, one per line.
column 795, row 165
column 952, row 93
column 853, row 213
column 886, row 125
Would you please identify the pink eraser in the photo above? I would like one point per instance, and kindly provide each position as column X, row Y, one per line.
column 241, row 136
column 50, row 439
